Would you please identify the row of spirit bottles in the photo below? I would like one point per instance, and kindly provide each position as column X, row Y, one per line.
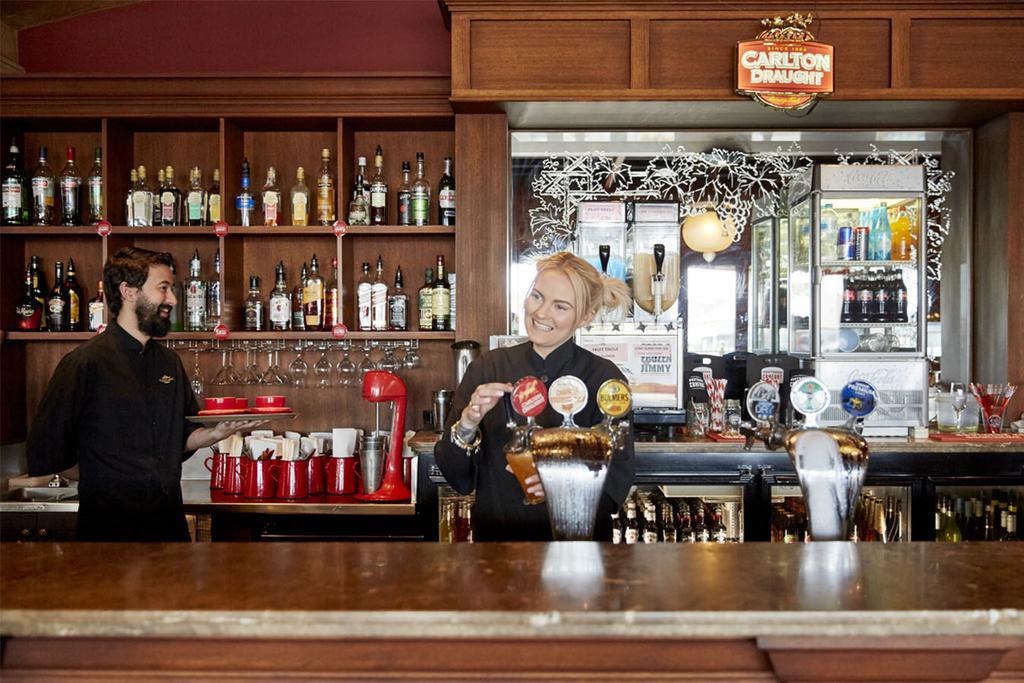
column 370, row 195
column 166, row 204
column 59, row 309
column 47, row 199
column 687, row 520
column 312, row 305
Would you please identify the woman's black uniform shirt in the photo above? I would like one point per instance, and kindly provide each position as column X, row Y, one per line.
column 499, row 512
column 117, row 409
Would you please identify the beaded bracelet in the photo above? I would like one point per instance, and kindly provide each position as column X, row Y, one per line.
column 459, row 442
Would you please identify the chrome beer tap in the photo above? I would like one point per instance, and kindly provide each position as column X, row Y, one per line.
column 763, row 406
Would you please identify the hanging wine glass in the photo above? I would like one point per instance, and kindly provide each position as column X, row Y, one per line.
column 346, row 369
column 366, row 364
column 389, row 362
column 412, row 358
column 226, row 374
column 322, row 369
column 251, row 374
column 196, row 380
column 273, row 375
column 298, row 369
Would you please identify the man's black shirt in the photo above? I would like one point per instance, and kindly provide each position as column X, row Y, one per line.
column 499, row 512
column 117, row 409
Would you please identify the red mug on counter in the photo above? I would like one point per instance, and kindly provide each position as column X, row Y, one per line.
column 317, row 474
column 258, row 479
column 215, row 465
column 232, row 468
column 342, row 476
column 292, row 479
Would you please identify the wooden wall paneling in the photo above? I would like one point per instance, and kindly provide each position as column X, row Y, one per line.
column 576, row 54
column 118, row 159
column 343, row 151
column 901, row 56
column 399, row 146
column 967, row 52
column 998, row 296
column 862, row 51
column 697, row 53
column 234, row 283
column 461, row 52
column 232, row 149
column 481, row 259
column 640, row 53
column 286, row 145
column 41, row 359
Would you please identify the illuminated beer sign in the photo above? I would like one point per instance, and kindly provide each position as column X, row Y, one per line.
column 784, row 67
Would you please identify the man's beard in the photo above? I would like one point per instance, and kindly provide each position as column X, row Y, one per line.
column 150, row 321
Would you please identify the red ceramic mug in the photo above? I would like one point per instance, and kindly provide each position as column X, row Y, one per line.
column 292, row 479
column 317, row 475
column 215, row 464
column 232, row 475
column 342, row 476
column 259, row 479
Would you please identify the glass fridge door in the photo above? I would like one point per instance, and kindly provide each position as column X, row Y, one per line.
column 871, row 290
column 883, row 515
column 977, row 513
column 798, row 295
column 681, row 513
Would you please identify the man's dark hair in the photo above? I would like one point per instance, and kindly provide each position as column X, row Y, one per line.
column 130, row 265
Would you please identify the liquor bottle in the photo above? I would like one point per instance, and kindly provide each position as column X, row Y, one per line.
column 398, row 305
column 161, row 182
column 649, row 534
column 363, row 300
column 298, row 315
column 669, row 527
column 245, row 203
column 446, row 195
column 58, row 304
column 39, row 289
column 378, row 191
column 300, row 198
column 325, row 190
column 425, row 301
column 15, row 200
column 280, row 301
column 719, row 534
column 313, row 297
column 332, row 298
column 405, row 197
column 420, row 196
column 446, row 528
column 74, row 298
column 685, row 523
column 29, row 311
column 441, row 301
column 44, row 187
column 358, row 212
column 213, row 200
column 195, row 200
column 362, row 183
column 195, row 297
column 142, row 200
column 94, row 188
column 214, row 298
column 170, row 200
column 129, row 211
column 70, row 192
column 701, row 533
column 616, row 528
column 97, row 308
column 632, row 534
column 379, row 299
column 271, row 199
column 254, row 306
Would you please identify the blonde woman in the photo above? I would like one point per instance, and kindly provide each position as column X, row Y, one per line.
column 566, row 295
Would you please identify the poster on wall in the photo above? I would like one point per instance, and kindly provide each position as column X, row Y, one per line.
column 650, row 364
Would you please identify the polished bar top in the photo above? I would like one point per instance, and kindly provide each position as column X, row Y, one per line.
column 511, row 590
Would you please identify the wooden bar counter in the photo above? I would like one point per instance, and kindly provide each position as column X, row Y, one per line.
column 821, row 611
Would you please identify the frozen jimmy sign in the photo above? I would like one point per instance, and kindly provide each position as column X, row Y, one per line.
column 784, row 68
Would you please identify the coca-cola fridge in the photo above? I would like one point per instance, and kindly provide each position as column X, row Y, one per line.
column 856, row 295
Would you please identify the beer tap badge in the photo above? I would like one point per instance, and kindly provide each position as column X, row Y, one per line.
column 529, row 397
column 809, row 396
column 859, row 398
column 763, row 401
column 784, row 68
column 568, row 395
column 614, row 398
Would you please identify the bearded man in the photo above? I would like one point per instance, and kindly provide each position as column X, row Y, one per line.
column 116, row 407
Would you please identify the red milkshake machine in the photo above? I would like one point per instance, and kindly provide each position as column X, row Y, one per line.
column 380, row 386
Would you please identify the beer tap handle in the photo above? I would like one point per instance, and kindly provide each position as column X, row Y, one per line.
column 750, row 434
column 510, row 421
column 659, row 260
column 605, row 253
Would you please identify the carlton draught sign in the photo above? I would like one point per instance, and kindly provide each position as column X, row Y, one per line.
column 784, row 67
